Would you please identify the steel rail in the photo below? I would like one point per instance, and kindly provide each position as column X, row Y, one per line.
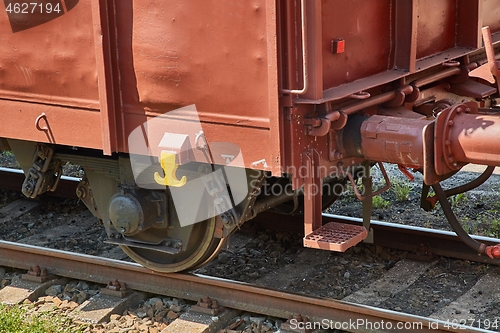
column 228, row 293
column 410, row 238
column 393, row 235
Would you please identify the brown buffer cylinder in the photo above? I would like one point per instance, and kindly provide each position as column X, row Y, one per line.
column 462, row 135
column 394, row 140
column 459, row 135
column 387, row 139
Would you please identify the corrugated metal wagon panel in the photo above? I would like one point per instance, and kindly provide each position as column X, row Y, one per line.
column 48, row 66
column 217, row 55
column 92, row 72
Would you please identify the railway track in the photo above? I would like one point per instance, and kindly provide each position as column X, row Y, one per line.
column 228, row 293
column 361, row 307
column 391, row 235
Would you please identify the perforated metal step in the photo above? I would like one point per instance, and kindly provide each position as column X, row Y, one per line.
column 335, row 236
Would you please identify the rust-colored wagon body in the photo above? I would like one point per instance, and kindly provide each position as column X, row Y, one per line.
column 101, row 68
column 299, row 94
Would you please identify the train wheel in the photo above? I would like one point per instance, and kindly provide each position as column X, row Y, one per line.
column 201, row 247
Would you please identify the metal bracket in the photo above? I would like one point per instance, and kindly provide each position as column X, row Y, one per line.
column 367, row 205
column 167, row 245
column 45, row 173
column 37, row 274
column 215, row 185
column 84, row 193
column 207, row 306
column 313, row 188
column 117, row 289
column 370, row 195
column 319, row 126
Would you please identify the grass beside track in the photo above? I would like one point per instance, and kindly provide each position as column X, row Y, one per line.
column 18, row 319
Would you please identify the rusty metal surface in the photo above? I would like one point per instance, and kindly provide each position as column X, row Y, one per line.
column 231, row 294
column 206, row 55
column 365, row 53
column 45, row 60
column 65, row 126
column 103, row 29
column 490, row 13
column 412, row 41
column 45, row 54
column 132, row 61
column 393, row 139
column 406, row 18
column 436, row 28
column 470, row 20
column 475, row 139
column 142, row 58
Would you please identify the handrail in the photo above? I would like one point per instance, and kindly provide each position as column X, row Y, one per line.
column 304, row 53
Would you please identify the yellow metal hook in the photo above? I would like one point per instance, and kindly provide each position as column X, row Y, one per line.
column 169, row 167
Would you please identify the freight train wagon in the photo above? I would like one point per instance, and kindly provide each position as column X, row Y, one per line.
column 191, row 117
